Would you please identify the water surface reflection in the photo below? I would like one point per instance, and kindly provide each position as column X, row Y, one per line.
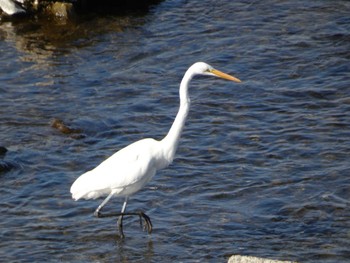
column 261, row 169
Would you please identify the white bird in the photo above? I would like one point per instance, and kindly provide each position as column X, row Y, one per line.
column 131, row 168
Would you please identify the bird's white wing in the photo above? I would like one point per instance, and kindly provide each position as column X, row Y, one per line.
column 125, row 172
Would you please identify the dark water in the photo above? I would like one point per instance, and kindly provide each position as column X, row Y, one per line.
column 262, row 169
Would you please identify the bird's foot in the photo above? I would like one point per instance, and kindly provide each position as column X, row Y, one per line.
column 147, row 219
column 97, row 214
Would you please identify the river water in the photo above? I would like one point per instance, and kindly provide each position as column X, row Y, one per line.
column 262, row 168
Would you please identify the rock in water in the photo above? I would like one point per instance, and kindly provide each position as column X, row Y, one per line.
column 249, row 259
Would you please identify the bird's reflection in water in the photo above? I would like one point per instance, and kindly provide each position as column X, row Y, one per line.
column 144, row 247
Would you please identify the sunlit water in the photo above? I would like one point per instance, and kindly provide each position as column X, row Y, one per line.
column 262, row 168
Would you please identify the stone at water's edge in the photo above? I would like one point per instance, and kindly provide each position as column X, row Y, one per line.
column 11, row 7
column 249, row 259
column 64, row 9
column 61, row 10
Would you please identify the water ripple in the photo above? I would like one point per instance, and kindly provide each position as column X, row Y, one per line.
column 261, row 168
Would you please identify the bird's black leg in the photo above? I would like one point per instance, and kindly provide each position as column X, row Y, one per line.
column 120, row 219
column 120, row 226
column 142, row 216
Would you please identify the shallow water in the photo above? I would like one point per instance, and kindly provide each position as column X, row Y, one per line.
column 262, row 168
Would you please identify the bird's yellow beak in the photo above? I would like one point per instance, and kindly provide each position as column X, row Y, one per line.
column 224, row 75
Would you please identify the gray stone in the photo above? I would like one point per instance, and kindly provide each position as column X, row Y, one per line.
column 249, row 259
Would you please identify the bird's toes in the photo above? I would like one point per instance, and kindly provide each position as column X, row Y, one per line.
column 149, row 227
column 148, row 223
column 97, row 214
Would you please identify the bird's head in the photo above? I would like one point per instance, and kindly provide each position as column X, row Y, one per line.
column 201, row 68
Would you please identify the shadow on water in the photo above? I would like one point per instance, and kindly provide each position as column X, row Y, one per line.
column 115, row 7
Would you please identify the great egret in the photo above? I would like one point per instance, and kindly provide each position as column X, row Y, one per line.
column 131, row 168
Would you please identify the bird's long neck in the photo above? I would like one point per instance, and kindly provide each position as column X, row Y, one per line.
column 171, row 140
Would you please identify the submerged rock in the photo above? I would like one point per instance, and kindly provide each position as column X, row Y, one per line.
column 6, row 166
column 63, row 128
column 3, row 150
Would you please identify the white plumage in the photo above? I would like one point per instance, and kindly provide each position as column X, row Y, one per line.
column 131, row 168
column 139, row 161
